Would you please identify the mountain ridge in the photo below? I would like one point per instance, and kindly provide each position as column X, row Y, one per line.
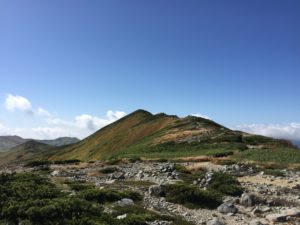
column 142, row 134
column 10, row 141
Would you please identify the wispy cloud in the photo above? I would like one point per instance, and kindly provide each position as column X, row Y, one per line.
column 200, row 115
column 43, row 112
column 52, row 126
column 289, row 131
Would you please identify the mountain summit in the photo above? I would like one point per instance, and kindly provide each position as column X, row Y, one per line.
column 142, row 134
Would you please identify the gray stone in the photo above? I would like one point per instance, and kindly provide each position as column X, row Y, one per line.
column 121, row 217
column 215, row 222
column 125, row 202
column 249, row 199
column 283, row 215
column 255, row 222
column 227, row 208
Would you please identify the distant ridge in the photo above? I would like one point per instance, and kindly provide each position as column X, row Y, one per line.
column 8, row 142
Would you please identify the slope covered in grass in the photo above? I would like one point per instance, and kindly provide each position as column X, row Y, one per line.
column 142, row 134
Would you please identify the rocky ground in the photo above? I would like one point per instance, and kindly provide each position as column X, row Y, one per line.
column 267, row 199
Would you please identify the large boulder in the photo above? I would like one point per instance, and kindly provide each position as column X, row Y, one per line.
column 227, row 208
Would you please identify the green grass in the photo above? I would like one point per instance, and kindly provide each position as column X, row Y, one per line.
column 171, row 150
column 283, row 156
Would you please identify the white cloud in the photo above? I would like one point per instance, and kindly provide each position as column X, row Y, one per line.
column 50, row 132
column 94, row 123
column 81, row 126
column 114, row 115
column 43, row 112
column 289, row 131
column 200, row 115
column 16, row 102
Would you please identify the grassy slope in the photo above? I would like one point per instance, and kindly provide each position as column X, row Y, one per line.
column 119, row 135
column 142, row 134
column 25, row 152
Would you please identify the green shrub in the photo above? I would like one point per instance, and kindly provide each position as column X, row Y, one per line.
column 37, row 163
column 225, row 184
column 192, row 196
column 68, row 161
column 108, row 170
column 109, row 195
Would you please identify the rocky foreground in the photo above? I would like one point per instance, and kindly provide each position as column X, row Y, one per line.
column 267, row 198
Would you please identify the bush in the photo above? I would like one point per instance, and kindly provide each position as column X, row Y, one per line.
column 225, row 184
column 109, row 195
column 192, row 197
column 37, row 163
column 223, row 154
column 68, row 161
column 107, row 170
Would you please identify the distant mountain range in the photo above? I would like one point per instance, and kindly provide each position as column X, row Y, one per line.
column 9, row 142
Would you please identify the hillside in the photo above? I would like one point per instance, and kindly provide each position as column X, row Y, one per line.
column 142, row 134
column 161, row 136
column 9, row 142
column 28, row 151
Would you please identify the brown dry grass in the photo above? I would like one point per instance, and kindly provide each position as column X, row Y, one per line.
column 177, row 134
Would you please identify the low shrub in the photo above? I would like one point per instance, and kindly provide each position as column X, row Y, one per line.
column 192, row 196
column 37, row 163
column 108, row 170
column 109, row 195
column 225, row 184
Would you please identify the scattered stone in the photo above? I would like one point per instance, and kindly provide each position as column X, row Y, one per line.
column 283, row 215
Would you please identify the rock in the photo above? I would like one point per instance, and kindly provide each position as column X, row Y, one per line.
column 260, row 210
column 215, row 222
column 255, row 222
column 121, row 217
column 125, row 202
column 283, row 215
column 156, row 190
column 227, row 208
column 249, row 199
column 118, row 175
column 55, row 173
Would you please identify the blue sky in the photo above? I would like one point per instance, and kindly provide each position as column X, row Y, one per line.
column 237, row 62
